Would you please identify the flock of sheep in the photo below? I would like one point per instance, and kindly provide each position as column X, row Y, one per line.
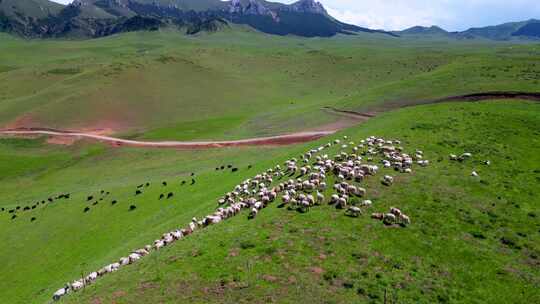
column 302, row 184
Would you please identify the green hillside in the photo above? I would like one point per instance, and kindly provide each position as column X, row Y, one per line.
column 457, row 243
column 472, row 239
column 246, row 83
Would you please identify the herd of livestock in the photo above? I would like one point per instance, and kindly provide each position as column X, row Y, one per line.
column 300, row 184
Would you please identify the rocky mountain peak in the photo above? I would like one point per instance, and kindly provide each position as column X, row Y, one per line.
column 307, row 6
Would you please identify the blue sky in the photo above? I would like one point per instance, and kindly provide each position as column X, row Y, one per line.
column 452, row 15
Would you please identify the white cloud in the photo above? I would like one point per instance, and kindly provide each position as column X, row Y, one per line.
column 449, row 14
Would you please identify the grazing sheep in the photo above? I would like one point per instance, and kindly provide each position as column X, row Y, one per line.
column 377, row 216
column 76, row 285
column 320, row 198
column 395, row 211
column 60, row 293
column 353, row 211
column 253, row 213
column 258, row 192
column 366, row 203
column 134, row 257
column 91, row 277
column 389, row 218
column 474, row 174
column 123, row 261
column 404, row 220
column 387, row 180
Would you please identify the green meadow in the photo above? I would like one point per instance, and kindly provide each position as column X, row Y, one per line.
column 472, row 240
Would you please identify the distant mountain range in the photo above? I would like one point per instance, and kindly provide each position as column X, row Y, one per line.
column 96, row 18
column 529, row 29
column 307, row 18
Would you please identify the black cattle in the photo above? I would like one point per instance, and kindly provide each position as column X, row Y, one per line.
column 234, row 169
column 32, row 219
column 34, row 207
column 164, row 183
column 86, row 209
column 222, row 167
column 107, row 193
column 101, row 199
column 183, row 182
column 102, row 191
column 161, row 196
column 95, row 203
column 169, row 195
column 11, row 211
column 140, row 186
column 192, row 182
column 26, row 208
column 114, row 202
column 217, row 169
column 132, row 207
column 138, row 192
column 18, row 207
column 147, row 185
column 50, row 199
column 229, row 166
column 91, row 197
column 43, row 202
column 192, row 174
column 250, row 166
column 13, row 217
column 2, row 209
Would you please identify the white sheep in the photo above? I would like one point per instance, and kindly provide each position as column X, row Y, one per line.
column 60, row 293
column 354, row 211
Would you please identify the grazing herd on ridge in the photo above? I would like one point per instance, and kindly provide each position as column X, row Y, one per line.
column 300, row 185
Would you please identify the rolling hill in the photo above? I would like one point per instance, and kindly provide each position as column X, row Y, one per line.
column 513, row 30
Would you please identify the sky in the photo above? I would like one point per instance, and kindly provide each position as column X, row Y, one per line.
column 452, row 15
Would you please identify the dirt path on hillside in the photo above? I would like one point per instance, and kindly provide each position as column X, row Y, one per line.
column 350, row 118
column 279, row 140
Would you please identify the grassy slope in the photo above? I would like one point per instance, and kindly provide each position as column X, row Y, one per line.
column 452, row 252
column 243, row 83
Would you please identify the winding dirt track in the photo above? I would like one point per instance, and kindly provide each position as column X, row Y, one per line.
column 119, row 142
column 279, row 140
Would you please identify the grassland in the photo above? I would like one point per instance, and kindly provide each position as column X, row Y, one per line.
column 237, row 83
column 472, row 240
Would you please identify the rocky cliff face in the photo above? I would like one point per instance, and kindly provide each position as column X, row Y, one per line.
column 307, row 6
